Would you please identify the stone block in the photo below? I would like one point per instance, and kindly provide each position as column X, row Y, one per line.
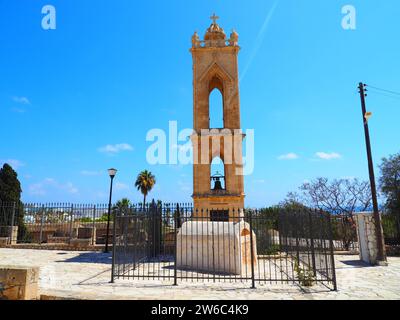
column 4, row 241
column 222, row 247
column 8, row 235
column 80, row 243
column 87, row 233
column 19, row 283
column 53, row 239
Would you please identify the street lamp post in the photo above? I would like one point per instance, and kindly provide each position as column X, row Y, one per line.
column 111, row 173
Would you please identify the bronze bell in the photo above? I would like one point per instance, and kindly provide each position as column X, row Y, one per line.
column 217, row 184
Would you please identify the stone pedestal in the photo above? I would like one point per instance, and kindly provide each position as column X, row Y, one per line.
column 87, row 233
column 13, row 235
column 19, row 283
column 222, row 247
column 8, row 235
column 367, row 238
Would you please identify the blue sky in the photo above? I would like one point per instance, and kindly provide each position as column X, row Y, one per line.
column 113, row 70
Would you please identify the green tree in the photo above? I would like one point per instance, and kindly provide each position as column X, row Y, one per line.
column 390, row 187
column 10, row 187
column 121, row 204
column 390, row 182
column 145, row 181
column 10, row 193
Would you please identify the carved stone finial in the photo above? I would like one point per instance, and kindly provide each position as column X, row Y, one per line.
column 234, row 38
column 195, row 40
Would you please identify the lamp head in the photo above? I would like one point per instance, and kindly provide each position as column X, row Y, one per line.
column 112, row 172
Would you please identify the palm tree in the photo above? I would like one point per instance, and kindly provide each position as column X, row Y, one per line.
column 121, row 206
column 123, row 203
column 145, row 181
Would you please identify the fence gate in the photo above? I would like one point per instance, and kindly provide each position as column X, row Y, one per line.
column 175, row 242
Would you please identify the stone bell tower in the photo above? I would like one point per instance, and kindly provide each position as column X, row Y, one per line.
column 215, row 66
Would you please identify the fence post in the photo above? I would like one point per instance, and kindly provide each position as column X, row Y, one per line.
column 11, row 230
column 328, row 215
column 397, row 217
column 176, row 245
column 13, row 214
column 294, row 227
column 253, row 283
column 41, row 225
column 71, row 222
column 94, row 226
column 312, row 243
column 114, row 242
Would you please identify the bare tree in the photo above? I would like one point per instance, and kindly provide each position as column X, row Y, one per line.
column 341, row 197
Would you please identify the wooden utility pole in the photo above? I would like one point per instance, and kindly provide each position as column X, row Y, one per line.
column 378, row 224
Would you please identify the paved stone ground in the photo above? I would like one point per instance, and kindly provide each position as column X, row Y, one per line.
column 86, row 275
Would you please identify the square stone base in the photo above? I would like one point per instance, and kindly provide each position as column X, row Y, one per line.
column 19, row 283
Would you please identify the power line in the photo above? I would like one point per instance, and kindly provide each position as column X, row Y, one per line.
column 385, row 90
column 385, row 94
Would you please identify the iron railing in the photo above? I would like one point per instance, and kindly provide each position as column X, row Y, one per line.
column 391, row 229
column 179, row 242
column 344, row 233
column 54, row 223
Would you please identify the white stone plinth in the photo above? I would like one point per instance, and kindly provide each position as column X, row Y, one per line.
column 367, row 239
column 222, row 247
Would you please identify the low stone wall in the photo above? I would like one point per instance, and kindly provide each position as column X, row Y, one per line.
column 48, row 231
column 58, row 246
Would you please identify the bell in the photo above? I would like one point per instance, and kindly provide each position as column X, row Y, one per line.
column 217, row 185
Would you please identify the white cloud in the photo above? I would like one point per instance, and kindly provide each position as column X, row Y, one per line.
column 116, row 148
column 328, row 156
column 14, row 163
column 42, row 188
column 289, row 156
column 184, row 186
column 70, row 188
column 22, row 100
column 18, row 110
column 121, row 186
column 37, row 189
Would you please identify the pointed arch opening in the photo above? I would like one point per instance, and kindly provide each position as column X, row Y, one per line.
column 217, row 170
column 216, row 104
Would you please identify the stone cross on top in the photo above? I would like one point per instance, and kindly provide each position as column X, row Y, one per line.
column 214, row 18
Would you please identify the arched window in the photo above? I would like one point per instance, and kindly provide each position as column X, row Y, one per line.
column 217, row 174
column 216, row 109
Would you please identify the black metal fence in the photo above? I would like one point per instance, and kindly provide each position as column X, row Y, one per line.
column 344, row 233
column 391, row 229
column 178, row 242
column 53, row 223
